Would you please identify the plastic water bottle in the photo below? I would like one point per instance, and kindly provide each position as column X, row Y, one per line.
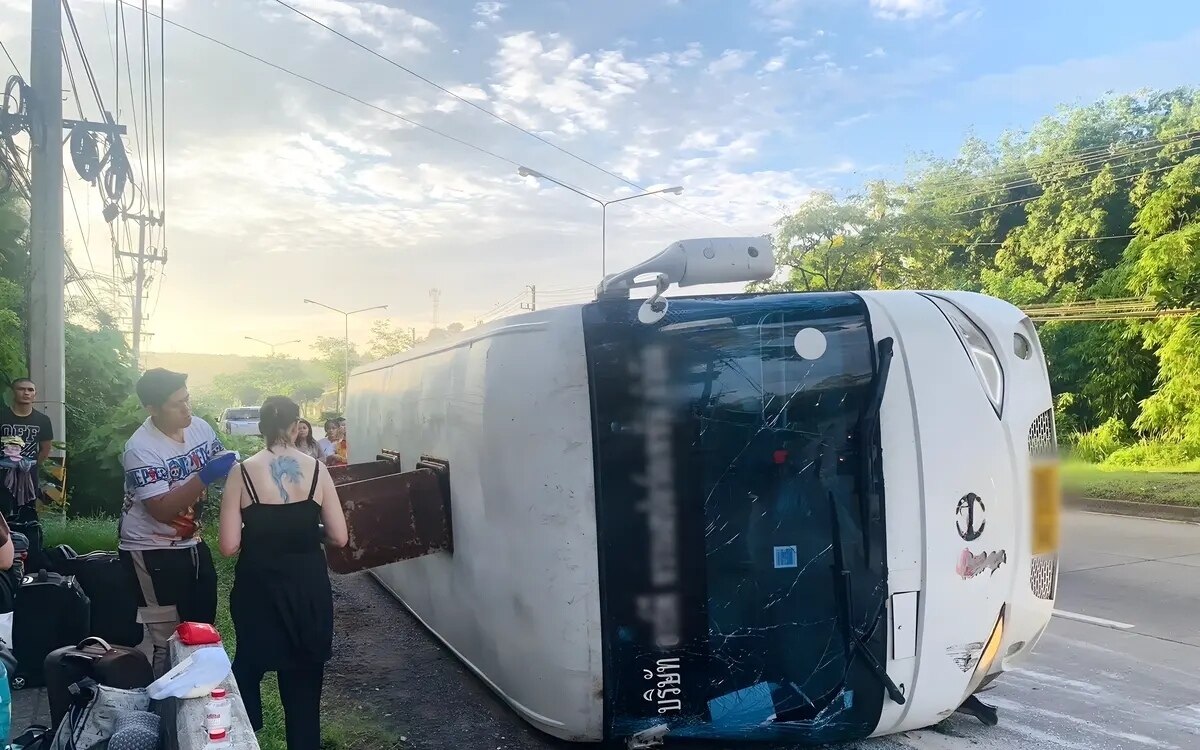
column 218, row 714
column 5, row 706
column 218, row 739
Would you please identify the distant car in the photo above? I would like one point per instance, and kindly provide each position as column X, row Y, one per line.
column 242, row 420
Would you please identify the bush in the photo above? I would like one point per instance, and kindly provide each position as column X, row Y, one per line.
column 1096, row 446
column 1157, row 454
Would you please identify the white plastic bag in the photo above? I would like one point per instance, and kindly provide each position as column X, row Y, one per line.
column 195, row 676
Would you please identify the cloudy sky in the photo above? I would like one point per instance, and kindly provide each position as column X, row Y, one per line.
column 278, row 189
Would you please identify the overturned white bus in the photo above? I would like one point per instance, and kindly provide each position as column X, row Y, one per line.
column 795, row 517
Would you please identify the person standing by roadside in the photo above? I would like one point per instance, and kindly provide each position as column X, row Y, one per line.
column 277, row 511
column 169, row 462
column 36, row 432
column 342, row 447
column 329, row 444
column 306, row 443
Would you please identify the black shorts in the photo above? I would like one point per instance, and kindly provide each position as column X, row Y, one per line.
column 183, row 578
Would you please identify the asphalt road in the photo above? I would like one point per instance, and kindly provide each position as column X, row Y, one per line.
column 1132, row 683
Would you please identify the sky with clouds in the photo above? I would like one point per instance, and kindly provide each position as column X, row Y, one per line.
column 278, row 189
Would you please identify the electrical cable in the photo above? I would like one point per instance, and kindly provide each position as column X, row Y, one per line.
column 1062, row 168
column 1066, row 157
column 1074, row 190
column 359, row 100
column 78, row 220
column 489, row 112
column 11, row 61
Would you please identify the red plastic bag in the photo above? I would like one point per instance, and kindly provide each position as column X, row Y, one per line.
column 197, row 634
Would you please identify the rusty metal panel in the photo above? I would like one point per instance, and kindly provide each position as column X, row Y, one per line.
column 390, row 518
column 358, row 472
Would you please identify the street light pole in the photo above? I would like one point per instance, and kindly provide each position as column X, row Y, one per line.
column 346, row 319
column 268, row 343
column 527, row 172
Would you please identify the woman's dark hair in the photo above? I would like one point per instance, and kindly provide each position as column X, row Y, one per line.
column 311, row 441
column 276, row 417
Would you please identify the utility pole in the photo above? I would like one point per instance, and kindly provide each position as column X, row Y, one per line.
column 40, row 112
column 532, row 306
column 141, row 258
column 47, row 344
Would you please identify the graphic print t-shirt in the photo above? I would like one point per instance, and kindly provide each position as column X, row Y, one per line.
column 32, row 429
column 154, row 463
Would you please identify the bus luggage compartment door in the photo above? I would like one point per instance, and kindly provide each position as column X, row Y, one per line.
column 391, row 515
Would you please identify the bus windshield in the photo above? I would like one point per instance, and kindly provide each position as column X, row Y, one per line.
column 723, row 575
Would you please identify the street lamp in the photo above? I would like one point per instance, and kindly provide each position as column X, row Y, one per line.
column 346, row 316
column 268, row 343
column 527, row 172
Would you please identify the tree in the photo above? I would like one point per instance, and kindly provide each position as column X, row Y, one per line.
column 1094, row 202
column 387, row 340
column 332, row 357
column 273, row 376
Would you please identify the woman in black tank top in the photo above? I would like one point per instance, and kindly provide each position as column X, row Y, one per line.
column 277, row 519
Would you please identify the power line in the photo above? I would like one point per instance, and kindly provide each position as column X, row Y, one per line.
column 1089, row 153
column 1057, row 169
column 78, row 220
column 1074, row 190
column 11, row 61
column 162, row 88
column 489, row 112
column 332, row 90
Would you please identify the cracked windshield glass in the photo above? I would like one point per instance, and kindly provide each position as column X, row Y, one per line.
column 418, row 374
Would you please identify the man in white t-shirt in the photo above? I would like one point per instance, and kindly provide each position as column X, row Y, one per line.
column 169, row 462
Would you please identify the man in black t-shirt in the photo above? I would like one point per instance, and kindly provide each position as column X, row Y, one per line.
column 23, row 421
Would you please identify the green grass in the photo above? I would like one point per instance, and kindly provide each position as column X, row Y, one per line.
column 1168, row 486
column 343, row 727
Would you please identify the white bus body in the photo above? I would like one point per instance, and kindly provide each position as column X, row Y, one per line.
column 657, row 526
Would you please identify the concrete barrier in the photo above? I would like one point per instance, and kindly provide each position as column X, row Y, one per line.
column 183, row 719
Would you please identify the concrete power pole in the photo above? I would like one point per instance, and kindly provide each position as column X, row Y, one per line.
column 532, row 305
column 435, row 295
column 47, row 355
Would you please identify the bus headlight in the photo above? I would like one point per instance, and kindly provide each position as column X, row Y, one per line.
column 988, row 657
column 983, row 355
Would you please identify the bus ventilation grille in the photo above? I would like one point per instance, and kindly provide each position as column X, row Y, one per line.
column 1043, row 444
column 1041, row 575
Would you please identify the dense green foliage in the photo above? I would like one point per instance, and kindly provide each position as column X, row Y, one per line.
column 277, row 375
column 1097, row 202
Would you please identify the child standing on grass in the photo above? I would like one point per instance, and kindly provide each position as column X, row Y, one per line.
column 272, row 513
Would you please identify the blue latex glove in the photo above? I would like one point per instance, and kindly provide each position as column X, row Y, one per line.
column 218, row 468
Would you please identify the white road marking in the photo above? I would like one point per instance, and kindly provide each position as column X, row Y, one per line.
column 1092, row 620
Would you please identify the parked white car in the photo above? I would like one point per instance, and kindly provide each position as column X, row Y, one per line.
column 241, row 420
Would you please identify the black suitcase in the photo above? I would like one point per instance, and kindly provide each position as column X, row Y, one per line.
column 113, row 599
column 51, row 612
column 31, row 529
column 92, row 658
column 58, row 558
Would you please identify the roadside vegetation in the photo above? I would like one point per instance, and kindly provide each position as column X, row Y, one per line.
column 1166, row 486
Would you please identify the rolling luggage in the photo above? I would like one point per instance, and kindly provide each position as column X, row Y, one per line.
column 51, row 611
column 113, row 599
column 34, row 556
column 92, row 658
